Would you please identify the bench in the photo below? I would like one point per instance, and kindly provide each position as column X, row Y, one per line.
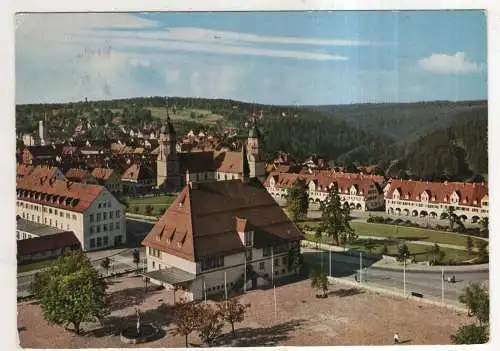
column 416, row 294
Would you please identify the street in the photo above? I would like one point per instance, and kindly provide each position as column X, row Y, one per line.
column 426, row 283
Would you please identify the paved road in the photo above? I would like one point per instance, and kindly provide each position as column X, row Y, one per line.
column 427, row 283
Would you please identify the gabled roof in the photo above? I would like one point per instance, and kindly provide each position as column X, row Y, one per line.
column 213, row 230
column 102, row 174
column 23, row 169
column 138, row 172
column 440, row 192
column 57, row 193
column 77, row 174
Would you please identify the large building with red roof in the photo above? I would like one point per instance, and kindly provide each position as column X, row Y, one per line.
column 216, row 231
column 90, row 211
column 420, row 198
column 358, row 191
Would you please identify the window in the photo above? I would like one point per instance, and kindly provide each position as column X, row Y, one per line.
column 109, row 203
column 212, row 262
column 159, row 265
column 92, row 243
column 117, row 213
column 99, row 205
column 38, row 219
column 61, row 214
column 98, row 217
column 104, row 227
column 262, row 266
column 110, row 214
column 55, row 212
column 149, row 250
column 91, row 218
column 74, row 217
column 67, row 215
column 56, row 222
column 98, row 228
column 285, row 260
column 153, row 264
column 99, row 242
column 111, row 226
column 33, row 219
column 105, row 241
column 276, row 262
column 67, row 226
column 104, row 204
column 117, row 225
column 91, row 229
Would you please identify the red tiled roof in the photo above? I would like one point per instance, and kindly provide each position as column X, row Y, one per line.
column 44, row 171
column 102, row 174
column 48, row 242
column 23, row 169
column 57, row 193
column 77, row 174
column 205, row 230
column 229, row 161
column 439, row 192
column 323, row 180
column 137, row 172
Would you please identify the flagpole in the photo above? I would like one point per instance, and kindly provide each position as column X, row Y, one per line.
column 225, row 284
column 272, row 265
column 204, row 290
column 442, row 285
column 329, row 260
column 245, row 274
column 275, row 304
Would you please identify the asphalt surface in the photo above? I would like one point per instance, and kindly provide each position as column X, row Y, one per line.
column 425, row 282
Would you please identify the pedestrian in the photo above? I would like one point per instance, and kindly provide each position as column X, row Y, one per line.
column 396, row 338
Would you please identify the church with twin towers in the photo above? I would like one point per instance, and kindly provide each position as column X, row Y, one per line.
column 176, row 169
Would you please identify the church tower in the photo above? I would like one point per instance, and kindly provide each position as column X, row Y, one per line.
column 256, row 161
column 167, row 163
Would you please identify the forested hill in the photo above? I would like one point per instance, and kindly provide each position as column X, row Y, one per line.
column 405, row 122
column 458, row 152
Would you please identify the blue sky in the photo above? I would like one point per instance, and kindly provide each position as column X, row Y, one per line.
column 333, row 57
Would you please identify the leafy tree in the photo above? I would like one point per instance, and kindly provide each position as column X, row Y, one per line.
column 136, row 209
column 403, row 252
column 233, row 311
column 469, row 245
column 319, row 281
column 482, row 251
column 335, row 218
column 106, row 263
column 477, row 300
column 384, row 250
column 210, row 323
column 470, row 334
column 293, row 258
column 71, row 292
column 484, row 222
column 453, row 218
column 297, row 202
column 149, row 210
column 136, row 256
column 186, row 317
column 437, row 253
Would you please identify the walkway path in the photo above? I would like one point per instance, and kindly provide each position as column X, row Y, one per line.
column 426, row 243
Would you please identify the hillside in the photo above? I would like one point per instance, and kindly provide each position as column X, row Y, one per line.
column 405, row 122
column 428, row 139
column 459, row 152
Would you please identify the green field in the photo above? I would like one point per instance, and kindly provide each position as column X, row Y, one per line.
column 200, row 116
column 420, row 252
column 408, row 233
column 158, row 203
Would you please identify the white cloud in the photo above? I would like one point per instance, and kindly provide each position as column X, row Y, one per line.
column 449, row 64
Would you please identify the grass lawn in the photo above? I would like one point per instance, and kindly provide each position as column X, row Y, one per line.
column 158, row 203
column 35, row 265
column 419, row 251
column 408, row 233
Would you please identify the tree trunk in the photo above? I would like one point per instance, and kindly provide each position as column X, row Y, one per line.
column 77, row 327
column 186, row 339
column 232, row 327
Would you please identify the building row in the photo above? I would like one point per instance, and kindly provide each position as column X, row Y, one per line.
column 395, row 197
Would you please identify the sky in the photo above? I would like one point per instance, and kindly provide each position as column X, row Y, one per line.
column 282, row 58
